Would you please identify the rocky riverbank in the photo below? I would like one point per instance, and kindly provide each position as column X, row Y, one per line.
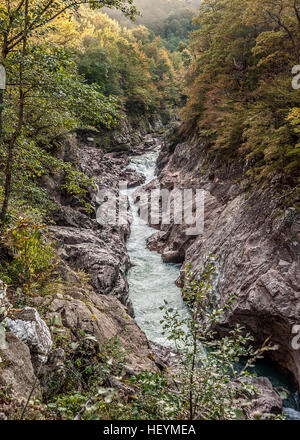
column 91, row 297
column 254, row 233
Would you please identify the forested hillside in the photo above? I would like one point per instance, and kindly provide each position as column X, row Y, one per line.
column 68, row 71
column 240, row 85
column 172, row 20
column 129, row 64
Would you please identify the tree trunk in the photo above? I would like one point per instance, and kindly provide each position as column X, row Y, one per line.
column 8, row 176
column 12, row 142
column 1, row 111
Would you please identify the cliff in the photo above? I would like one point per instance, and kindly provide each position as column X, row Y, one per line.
column 88, row 305
column 252, row 228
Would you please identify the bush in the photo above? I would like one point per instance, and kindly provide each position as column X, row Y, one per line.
column 33, row 257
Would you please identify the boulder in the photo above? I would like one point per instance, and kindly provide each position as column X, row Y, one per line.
column 28, row 327
column 105, row 318
column 102, row 255
column 16, row 370
column 266, row 402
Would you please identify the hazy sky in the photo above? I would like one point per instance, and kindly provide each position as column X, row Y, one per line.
column 154, row 10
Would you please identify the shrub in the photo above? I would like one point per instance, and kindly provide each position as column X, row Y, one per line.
column 33, row 256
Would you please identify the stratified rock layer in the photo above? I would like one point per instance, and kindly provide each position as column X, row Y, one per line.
column 255, row 239
column 102, row 310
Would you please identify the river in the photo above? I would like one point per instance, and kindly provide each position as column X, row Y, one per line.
column 151, row 282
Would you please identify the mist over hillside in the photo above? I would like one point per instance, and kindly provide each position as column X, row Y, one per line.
column 171, row 19
column 195, row 3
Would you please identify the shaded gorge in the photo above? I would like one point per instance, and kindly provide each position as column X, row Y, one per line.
column 151, row 282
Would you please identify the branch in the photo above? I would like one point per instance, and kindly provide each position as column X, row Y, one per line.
column 297, row 12
column 14, row 41
column 278, row 20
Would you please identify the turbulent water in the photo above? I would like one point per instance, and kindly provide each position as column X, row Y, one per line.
column 151, row 282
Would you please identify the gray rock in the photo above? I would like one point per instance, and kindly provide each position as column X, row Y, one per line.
column 257, row 245
column 33, row 331
column 102, row 254
column 267, row 401
column 18, row 374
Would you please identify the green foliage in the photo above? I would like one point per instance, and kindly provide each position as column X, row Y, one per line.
column 131, row 64
column 33, row 257
column 156, row 399
column 176, row 28
column 90, row 367
column 33, row 162
column 239, row 85
column 57, row 97
column 66, row 406
column 76, row 183
column 89, row 370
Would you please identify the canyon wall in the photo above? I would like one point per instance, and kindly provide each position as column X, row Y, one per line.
column 90, row 294
column 254, row 232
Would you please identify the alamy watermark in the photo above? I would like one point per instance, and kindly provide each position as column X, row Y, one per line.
column 2, row 77
column 296, row 338
column 156, row 207
column 296, row 79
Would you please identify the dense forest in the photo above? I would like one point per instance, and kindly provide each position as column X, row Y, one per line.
column 89, row 85
column 74, row 70
column 240, row 84
column 171, row 20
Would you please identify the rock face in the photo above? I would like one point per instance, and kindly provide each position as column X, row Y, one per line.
column 101, row 254
column 16, row 369
column 255, row 240
column 105, row 318
column 85, row 245
column 267, row 402
column 129, row 135
column 31, row 329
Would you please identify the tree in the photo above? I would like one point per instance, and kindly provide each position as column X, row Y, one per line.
column 208, row 383
column 283, row 16
column 239, row 84
column 20, row 21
